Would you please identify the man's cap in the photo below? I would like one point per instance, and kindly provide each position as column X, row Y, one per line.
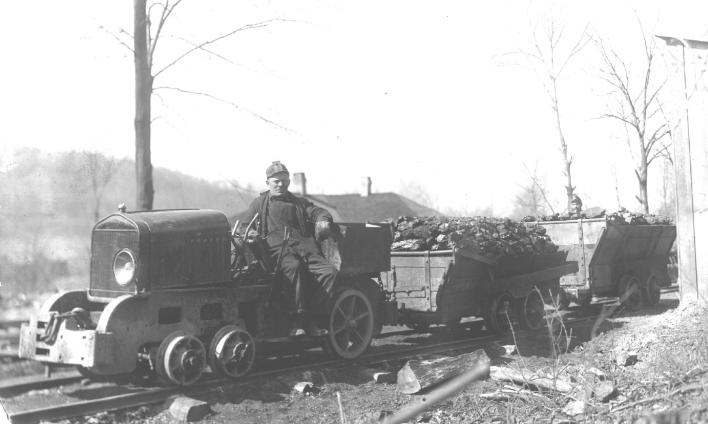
column 275, row 168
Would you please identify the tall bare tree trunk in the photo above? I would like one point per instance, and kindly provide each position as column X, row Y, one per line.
column 642, row 173
column 567, row 162
column 143, row 90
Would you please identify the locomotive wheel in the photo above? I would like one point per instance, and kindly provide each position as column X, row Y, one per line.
column 180, row 359
column 351, row 324
column 500, row 313
column 231, row 352
column 630, row 291
column 531, row 310
column 651, row 293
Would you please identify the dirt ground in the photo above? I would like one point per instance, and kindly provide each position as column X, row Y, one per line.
column 655, row 360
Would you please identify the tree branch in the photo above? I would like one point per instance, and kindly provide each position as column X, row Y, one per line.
column 541, row 189
column 211, row 52
column 121, row 42
column 166, row 12
column 234, row 105
column 221, row 37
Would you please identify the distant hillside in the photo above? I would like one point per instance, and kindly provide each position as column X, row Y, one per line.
column 49, row 203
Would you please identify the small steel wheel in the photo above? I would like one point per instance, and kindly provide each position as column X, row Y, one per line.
column 630, row 291
column 180, row 359
column 651, row 293
column 530, row 311
column 232, row 352
column 500, row 313
column 351, row 324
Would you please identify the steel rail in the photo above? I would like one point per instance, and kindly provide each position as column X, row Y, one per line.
column 12, row 323
column 14, row 386
column 160, row 394
column 155, row 395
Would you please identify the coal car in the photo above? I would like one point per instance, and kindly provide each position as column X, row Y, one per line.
column 173, row 292
column 445, row 286
column 614, row 259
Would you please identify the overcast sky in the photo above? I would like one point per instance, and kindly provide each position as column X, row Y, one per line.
column 410, row 93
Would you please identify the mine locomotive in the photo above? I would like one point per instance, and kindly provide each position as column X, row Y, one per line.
column 174, row 291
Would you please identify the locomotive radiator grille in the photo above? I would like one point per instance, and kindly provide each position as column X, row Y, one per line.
column 104, row 246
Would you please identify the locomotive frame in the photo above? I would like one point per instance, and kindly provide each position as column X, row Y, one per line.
column 166, row 297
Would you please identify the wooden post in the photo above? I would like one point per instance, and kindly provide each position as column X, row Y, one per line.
column 417, row 375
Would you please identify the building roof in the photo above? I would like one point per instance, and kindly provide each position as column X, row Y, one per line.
column 375, row 207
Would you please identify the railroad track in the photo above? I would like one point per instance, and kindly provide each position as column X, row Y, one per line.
column 140, row 396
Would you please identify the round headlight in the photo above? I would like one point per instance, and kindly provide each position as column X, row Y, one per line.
column 124, row 267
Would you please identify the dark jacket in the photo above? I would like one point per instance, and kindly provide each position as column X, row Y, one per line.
column 307, row 213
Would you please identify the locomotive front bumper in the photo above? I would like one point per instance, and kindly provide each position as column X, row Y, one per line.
column 65, row 344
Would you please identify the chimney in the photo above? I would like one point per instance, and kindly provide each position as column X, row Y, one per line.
column 366, row 187
column 300, row 183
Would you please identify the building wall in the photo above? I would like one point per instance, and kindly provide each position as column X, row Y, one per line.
column 691, row 163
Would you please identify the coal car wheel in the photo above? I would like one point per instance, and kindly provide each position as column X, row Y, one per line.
column 651, row 293
column 630, row 291
column 562, row 300
column 232, row 352
column 531, row 311
column 500, row 313
column 180, row 359
column 351, row 324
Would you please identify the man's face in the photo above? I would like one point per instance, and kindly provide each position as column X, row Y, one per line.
column 278, row 183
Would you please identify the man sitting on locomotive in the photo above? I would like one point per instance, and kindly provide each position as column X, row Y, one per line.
column 277, row 209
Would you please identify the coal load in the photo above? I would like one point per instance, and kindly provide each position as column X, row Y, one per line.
column 622, row 216
column 492, row 238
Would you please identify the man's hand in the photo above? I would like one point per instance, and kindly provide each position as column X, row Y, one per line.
column 323, row 229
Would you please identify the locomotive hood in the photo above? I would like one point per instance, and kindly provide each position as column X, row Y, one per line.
column 153, row 250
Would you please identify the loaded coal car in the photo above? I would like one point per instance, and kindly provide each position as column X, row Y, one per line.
column 173, row 292
column 615, row 258
column 439, row 281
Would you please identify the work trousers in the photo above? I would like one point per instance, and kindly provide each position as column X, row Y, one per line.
column 309, row 275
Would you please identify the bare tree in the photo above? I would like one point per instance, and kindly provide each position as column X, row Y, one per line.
column 635, row 105
column 149, row 23
column 100, row 170
column 549, row 56
column 540, row 185
column 416, row 192
column 531, row 199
